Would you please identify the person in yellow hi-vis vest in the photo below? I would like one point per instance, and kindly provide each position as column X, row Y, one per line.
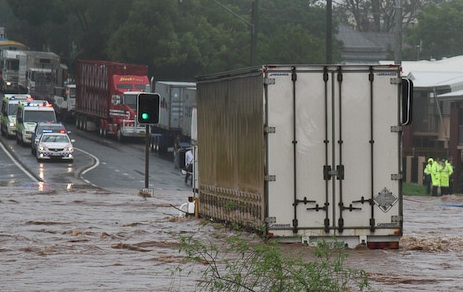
column 446, row 172
column 427, row 175
column 435, row 177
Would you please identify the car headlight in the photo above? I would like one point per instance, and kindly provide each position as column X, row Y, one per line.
column 42, row 148
column 69, row 148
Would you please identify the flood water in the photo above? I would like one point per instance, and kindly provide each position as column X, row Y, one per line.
column 431, row 250
column 91, row 240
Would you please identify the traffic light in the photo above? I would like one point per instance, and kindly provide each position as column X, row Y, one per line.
column 148, row 108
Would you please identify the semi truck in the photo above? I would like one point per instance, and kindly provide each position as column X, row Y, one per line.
column 178, row 99
column 38, row 72
column 9, row 60
column 64, row 101
column 305, row 152
column 106, row 97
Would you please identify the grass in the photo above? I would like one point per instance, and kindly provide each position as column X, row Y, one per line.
column 413, row 189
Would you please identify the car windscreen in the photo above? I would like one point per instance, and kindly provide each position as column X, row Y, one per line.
column 39, row 116
column 12, row 109
column 55, row 138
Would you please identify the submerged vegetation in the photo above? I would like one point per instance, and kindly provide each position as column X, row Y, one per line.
column 233, row 262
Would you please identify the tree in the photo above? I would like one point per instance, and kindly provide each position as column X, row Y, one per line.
column 177, row 39
column 378, row 15
column 438, row 31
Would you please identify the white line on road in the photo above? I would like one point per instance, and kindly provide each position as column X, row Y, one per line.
column 97, row 162
column 19, row 164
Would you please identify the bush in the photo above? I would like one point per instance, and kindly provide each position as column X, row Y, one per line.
column 231, row 263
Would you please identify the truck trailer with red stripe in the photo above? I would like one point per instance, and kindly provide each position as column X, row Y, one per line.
column 106, row 97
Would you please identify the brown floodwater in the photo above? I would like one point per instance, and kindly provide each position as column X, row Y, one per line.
column 93, row 240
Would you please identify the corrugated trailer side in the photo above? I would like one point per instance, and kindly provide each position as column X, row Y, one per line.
column 231, row 148
column 306, row 151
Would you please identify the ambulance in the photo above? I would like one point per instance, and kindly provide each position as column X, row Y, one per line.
column 29, row 114
column 8, row 109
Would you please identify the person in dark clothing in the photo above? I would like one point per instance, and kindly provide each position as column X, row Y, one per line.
column 188, row 166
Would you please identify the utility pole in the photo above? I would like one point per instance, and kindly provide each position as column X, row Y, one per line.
column 329, row 32
column 398, row 33
column 252, row 24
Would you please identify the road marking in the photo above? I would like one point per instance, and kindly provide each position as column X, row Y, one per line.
column 97, row 162
column 19, row 164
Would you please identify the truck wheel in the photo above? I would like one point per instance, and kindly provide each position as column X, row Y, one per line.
column 119, row 136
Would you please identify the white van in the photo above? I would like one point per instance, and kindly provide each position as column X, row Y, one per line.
column 29, row 114
column 8, row 109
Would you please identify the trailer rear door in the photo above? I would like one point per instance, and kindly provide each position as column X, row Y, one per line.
column 333, row 153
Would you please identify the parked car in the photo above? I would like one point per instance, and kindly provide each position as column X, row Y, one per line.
column 55, row 146
column 45, row 127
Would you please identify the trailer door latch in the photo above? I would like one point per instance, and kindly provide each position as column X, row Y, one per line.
column 270, row 177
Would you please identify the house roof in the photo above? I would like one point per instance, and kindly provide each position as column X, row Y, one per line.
column 452, row 80
column 454, row 64
column 363, row 47
column 447, row 72
column 453, row 96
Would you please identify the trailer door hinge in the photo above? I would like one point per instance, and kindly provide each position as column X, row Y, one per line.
column 270, row 177
column 270, row 130
column 269, row 81
column 396, row 176
column 396, row 129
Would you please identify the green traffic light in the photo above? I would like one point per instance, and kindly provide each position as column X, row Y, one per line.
column 144, row 116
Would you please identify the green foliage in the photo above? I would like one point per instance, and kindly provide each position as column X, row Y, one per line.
column 438, row 30
column 178, row 40
column 231, row 263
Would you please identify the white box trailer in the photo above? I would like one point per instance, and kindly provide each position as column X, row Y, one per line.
column 305, row 152
column 9, row 61
column 177, row 100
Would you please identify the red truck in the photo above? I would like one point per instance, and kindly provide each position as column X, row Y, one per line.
column 106, row 97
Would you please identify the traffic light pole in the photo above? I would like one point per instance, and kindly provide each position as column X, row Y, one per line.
column 147, row 114
column 147, row 157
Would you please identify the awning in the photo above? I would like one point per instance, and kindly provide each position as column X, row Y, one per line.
column 451, row 96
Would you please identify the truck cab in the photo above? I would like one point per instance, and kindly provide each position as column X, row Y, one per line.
column 64, row 101
column 124, row 111
column 40, row 81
